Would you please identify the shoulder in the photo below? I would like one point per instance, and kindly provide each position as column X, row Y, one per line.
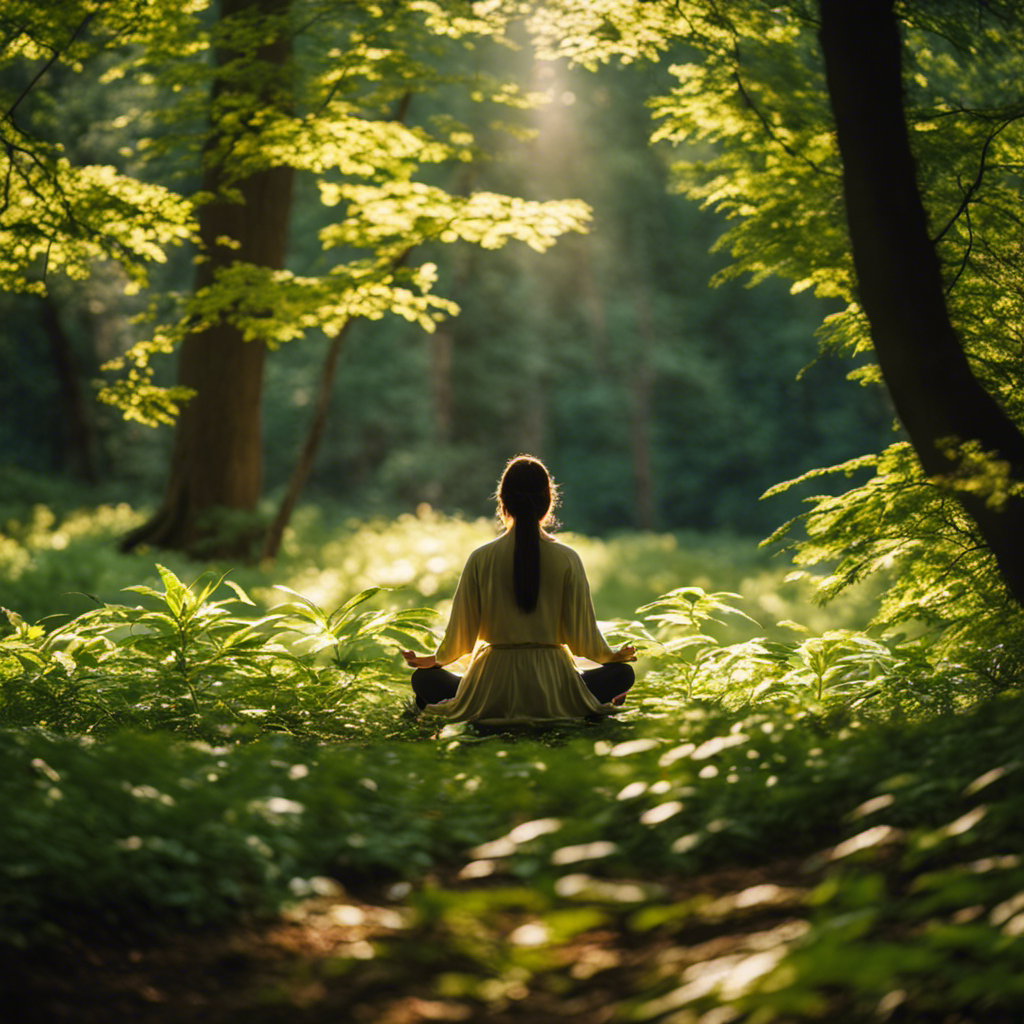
column 555, row 540
column 485, row 551
column 560, row 551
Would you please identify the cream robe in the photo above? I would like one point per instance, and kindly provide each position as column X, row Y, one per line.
column 538, row 680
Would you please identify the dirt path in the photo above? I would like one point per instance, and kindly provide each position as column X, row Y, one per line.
column 471, row 951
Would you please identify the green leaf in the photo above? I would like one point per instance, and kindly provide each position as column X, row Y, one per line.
column 13, row 617
column 352, row 603
column 240, row 593
column 139, row 588
column 176, row 596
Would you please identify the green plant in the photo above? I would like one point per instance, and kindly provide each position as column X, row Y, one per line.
column 189, row 663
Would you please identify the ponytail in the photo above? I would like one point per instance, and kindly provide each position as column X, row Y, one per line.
column 526, row 562
column 526, row 496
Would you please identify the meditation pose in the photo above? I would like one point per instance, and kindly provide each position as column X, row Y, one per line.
column 522, row 604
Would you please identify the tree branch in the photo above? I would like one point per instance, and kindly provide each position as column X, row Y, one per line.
column 967, row 252
column 46, row 67
column 769, row 128
column 976, row 184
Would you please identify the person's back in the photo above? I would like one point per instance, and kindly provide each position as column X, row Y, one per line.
column 521, row 601
column 502, row 620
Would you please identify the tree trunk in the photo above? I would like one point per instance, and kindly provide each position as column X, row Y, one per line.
column 307, row 456
column 594, row 298
column 933, row 389
column 217, row 460
column 641, row 397
column 77, row 435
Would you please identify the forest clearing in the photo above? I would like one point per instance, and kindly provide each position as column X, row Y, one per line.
column 285, row 283
column 781, row 822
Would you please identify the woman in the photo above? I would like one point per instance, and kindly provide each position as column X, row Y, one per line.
column 522, row 597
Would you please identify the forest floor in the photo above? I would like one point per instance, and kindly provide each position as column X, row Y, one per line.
column 367, row 957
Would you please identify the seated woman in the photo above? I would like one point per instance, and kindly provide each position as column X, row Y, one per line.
column 522, row 604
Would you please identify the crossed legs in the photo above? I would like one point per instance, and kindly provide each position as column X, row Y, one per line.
column 606, row 682
column 433, row 684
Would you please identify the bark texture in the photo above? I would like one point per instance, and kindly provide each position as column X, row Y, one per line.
column 935, row 393
column 217, row 460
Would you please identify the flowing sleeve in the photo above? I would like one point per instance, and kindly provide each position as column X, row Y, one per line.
column 578, row 628
column 464, row 621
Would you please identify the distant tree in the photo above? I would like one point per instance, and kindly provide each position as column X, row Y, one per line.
column 218, row 445
column 262, row 90
column 658, row 401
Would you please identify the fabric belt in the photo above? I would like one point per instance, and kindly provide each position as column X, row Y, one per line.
column 522, row 647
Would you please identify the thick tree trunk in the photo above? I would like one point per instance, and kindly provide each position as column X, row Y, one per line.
column 217, row 461
column 936, row 395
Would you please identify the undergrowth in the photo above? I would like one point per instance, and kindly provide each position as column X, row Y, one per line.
column 918, row 827
column 196, row 749
column 60, row 561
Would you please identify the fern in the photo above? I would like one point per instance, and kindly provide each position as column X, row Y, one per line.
column 190, row 663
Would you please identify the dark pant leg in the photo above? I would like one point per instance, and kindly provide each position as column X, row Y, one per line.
column 609, row 680
column 433, row 684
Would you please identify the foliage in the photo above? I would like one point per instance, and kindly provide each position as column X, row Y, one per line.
column 545, row 343
column 748, row 115
column 915, row 824
column 839, row 675
column 191, row 758
column 60, row 558
column 190, row 665
column 879, row 758
column 694, row 642
column 193, row 665
column 959, row 117
column 338, row 111
column 902, row 522
column 58, row 217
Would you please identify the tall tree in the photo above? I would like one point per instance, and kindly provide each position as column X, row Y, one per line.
column 949, row 416
column 217, row 460
column 329, row 112
column 930, row 135
column 78, row 436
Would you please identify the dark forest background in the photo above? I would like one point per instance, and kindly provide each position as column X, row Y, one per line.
column 660, row 403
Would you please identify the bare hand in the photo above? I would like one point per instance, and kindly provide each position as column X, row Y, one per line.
column 419, row 660
column 625, row 653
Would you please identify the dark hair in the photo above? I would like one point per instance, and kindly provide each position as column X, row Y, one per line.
column 526, row 496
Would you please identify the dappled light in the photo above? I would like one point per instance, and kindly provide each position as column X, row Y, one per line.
column 875, row 836
column 284, row 284
column 570, row 847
